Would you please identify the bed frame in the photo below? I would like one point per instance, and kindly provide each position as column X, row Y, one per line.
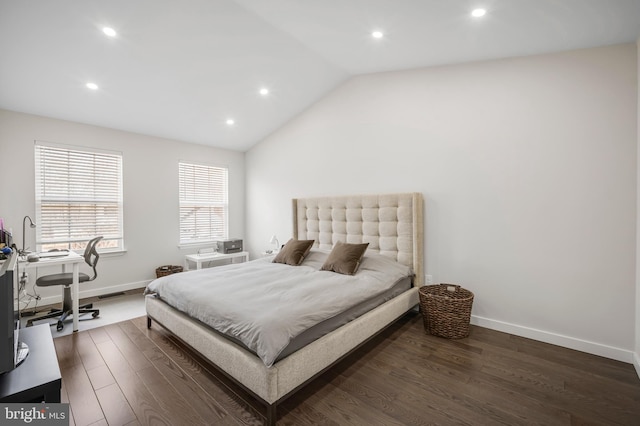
column 392, row 224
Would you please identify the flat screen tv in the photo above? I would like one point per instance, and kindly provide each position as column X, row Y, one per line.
column 12, row 350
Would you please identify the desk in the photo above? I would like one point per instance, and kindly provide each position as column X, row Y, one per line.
column 73, row 259
column 212, row 257
column 38, row 378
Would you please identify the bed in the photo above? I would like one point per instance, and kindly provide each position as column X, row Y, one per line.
column 392, row 225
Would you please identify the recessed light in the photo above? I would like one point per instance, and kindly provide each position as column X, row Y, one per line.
column 92, row 86
column 109, row 31
column 230, row 122
column 264, row 91
column 477, row 13
column 377, row 34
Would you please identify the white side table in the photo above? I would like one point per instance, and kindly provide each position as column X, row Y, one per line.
column 199, row 259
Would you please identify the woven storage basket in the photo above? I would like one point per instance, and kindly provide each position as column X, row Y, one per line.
column 446, row 310
column 167, row 270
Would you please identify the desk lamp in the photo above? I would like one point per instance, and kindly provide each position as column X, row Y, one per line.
column 274, row 240
column 32, row 225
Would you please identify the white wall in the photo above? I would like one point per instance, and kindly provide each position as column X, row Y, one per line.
column 150, row 184
column 636, row 358
column 528, row 168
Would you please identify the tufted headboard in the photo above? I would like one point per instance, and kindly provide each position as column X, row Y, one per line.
column 392, row 224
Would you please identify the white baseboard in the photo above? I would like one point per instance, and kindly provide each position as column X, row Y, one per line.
column 52, row 300
column 594, row 348
column 636, row 362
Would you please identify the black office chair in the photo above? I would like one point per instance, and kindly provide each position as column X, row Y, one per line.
column 91, row 256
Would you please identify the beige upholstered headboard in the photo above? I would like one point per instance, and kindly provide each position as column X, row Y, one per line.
column 392, row 224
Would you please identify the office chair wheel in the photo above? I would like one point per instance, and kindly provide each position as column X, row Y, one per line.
column 29, row 323
column 95, row 314
column 59, row 326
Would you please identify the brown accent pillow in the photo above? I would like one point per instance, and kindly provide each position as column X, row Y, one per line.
column 345, row 258
column 294, row 252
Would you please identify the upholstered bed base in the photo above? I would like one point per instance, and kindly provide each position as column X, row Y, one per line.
column 274, row 384
column 392, row 224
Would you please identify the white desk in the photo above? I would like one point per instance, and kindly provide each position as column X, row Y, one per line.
column 73, row 259
column 198, row 259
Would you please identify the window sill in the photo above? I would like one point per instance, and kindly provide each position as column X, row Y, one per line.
column 109, row 253
column 114, row 253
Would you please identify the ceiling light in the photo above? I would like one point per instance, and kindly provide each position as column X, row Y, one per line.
column 230, row 122
column 264, row 91
column 377, row 34
column 92, row 86
column 109, row 31
column 477, row 13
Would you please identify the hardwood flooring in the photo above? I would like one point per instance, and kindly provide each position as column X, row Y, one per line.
column 124, row 374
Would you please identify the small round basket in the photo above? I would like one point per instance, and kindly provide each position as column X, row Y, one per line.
column 167, row 270
column 446, row 310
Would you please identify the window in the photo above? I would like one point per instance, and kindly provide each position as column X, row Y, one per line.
column 78, row 197
column 204, row 203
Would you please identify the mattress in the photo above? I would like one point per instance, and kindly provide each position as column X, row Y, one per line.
column 274, row 309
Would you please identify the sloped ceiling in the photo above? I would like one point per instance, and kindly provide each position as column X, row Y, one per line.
column 180, row 70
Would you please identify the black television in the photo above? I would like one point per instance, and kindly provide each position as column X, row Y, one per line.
column 12, row 350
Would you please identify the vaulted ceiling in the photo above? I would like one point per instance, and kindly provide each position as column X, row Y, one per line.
column 182, row 69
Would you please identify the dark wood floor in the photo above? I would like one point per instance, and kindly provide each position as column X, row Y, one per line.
column 124, row 374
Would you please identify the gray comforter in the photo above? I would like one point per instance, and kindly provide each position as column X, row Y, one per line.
column 265, row 304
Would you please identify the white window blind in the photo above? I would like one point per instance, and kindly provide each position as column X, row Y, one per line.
column 203, row 203
column 78, row 197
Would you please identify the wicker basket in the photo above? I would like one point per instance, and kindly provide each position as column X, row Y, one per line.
column 167, row 270
column 446, row 310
